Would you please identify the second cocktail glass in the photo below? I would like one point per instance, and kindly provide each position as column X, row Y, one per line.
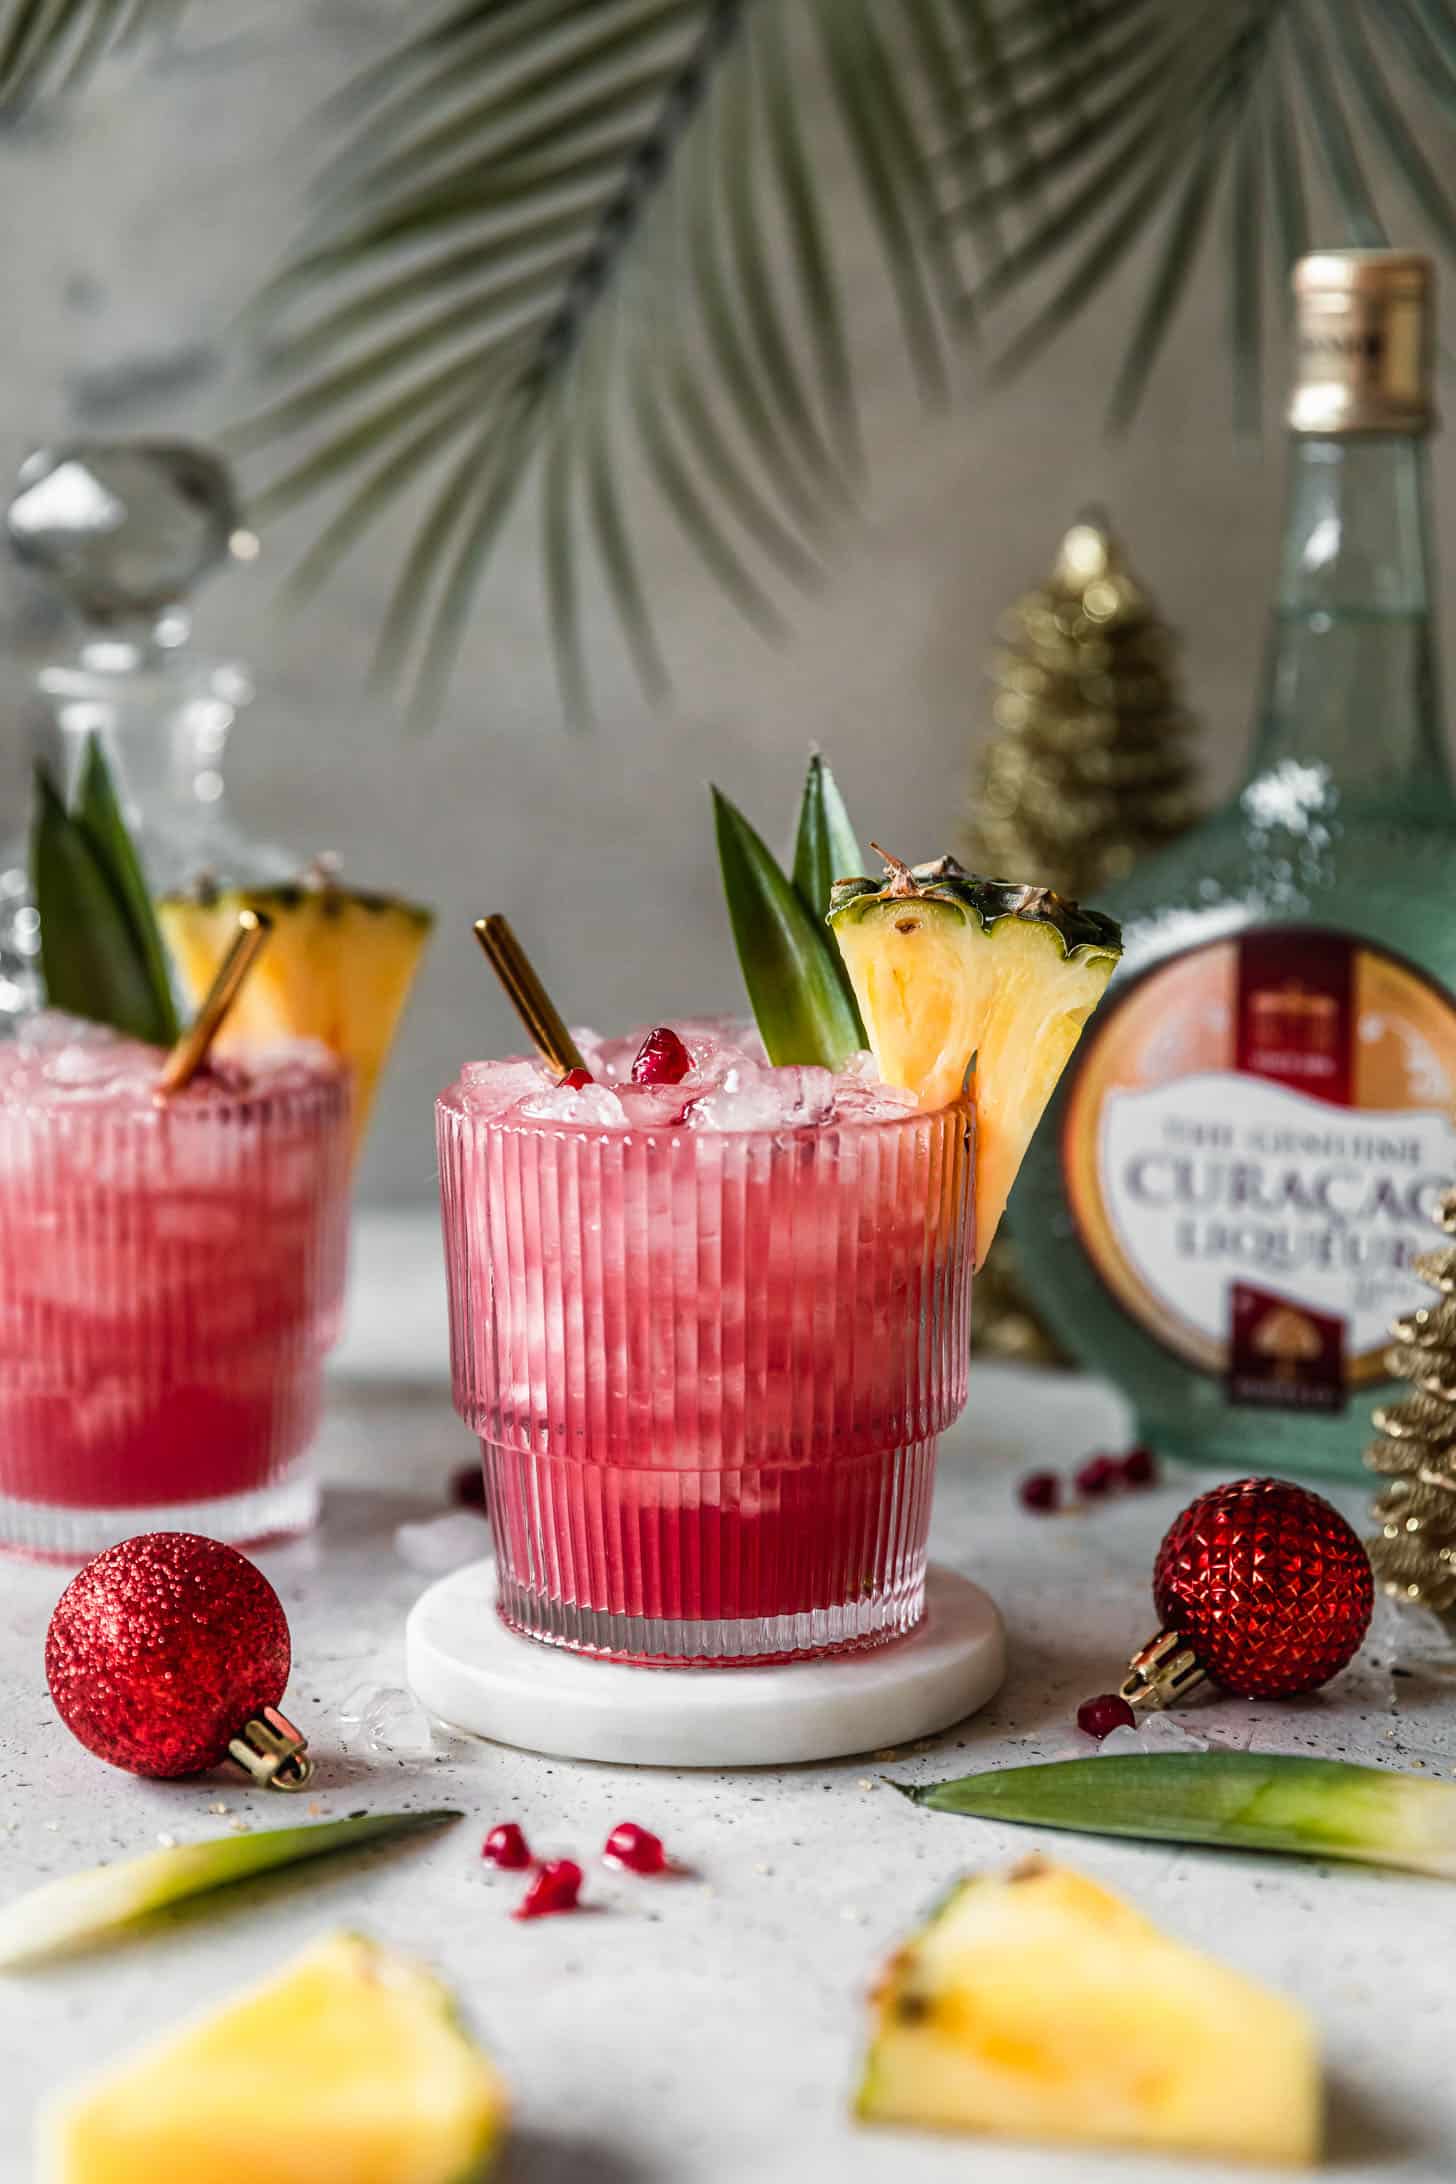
column 171, row 1278
column 708, row 1365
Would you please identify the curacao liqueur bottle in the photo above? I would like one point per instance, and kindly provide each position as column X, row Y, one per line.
column 1223, row 1211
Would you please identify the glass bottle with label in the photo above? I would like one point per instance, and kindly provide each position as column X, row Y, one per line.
column 1223, row 1212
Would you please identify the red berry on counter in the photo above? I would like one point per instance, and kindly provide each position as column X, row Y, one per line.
column 635, row 1850
column 467, row 1487
column 555, row 1888
column 661, row 1059
column 576, row 1079
column 506, row 1847
column 1139, row 1468
column 1098, row 1476
column 1100, row 1716
column 1041, row 1491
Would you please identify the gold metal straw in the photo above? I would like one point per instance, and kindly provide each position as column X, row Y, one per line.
column 192, row 1049
column 532, row 1003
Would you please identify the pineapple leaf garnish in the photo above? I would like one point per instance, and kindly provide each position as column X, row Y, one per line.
column 99, row 808
column 1312, row 1808
column 802, row 1008
column 101, row 951
column 62, row 1916
column 825, row 849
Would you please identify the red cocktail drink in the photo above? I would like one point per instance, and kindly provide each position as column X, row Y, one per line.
column 708, row 1333
column 171, row 1276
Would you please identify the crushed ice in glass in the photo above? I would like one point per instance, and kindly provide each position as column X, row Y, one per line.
column 55, row 1059
column 731, row 1086
column 597, row 1104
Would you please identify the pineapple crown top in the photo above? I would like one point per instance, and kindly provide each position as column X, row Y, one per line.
column 944, row 879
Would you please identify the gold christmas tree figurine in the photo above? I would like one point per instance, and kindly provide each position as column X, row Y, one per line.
column 1089, row 768
column 1414, row 1552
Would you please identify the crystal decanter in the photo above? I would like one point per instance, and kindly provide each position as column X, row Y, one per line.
column 120, row 533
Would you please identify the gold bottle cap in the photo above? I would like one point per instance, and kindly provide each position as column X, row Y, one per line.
column 1363, row 321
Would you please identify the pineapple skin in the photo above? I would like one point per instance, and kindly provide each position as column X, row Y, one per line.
column 1037, row 2005
column 287, row 2079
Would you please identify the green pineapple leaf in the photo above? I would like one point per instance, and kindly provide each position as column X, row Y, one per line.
column 825, row 850
column 98, row 807
column 1312, row 1808
column 800, row 1005
column 63, row 1915
column 826, row 847
column 99, row 958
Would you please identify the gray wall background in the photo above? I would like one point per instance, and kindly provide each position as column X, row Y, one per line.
column 135, row 226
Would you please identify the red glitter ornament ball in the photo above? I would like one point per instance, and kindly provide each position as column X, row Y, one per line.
column 1269, row 1586
column 162, row 1648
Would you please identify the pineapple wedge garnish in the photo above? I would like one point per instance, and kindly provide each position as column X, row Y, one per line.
column 946, row 968
column 338, row 968
column 1036, row 2005
column 349, row 2067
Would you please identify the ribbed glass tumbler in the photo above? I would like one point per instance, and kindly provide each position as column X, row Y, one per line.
column 171, row 1278
column 708, row 1371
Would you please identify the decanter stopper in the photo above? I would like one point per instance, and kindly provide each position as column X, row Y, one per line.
column 125, row 529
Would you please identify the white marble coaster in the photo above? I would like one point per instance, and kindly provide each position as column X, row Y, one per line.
column 475, row 1675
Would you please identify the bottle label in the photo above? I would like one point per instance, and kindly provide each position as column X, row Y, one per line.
column 1254, row 1143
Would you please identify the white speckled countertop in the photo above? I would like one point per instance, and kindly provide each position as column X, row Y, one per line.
column 707, row 2031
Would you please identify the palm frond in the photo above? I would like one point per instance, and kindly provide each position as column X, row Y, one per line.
column 1246, row 271
column 1284, row 110
column 558, row 233
column 50, row 46
column 580, row 249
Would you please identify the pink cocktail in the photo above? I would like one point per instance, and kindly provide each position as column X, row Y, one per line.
column 170, row 1279
column 708, row 1334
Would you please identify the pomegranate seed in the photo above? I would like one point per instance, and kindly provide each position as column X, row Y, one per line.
column 1040, row 1490
column 1100, row 1716
column 635, row 1850
column 575, row 1080
column 1098, row 1476
column 467, row 1487
column 1139, row 1468
column 506, row 1847
column 555, row 1888
column 661, row 1059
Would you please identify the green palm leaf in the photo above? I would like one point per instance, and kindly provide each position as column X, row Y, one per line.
column 580, row 250
column 50, row 46
column 1286, row 111
column 557, row 232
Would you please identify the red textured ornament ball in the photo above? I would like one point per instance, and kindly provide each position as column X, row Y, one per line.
column 162, row 1648
column 1268, row 1584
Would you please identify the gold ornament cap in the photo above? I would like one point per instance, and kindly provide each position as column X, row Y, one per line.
column 1363, row 342
column 272, row 1752
column 1163, row 1671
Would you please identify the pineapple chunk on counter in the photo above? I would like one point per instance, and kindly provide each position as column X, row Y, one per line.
column 349, row 2067
column 1037, row 2005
